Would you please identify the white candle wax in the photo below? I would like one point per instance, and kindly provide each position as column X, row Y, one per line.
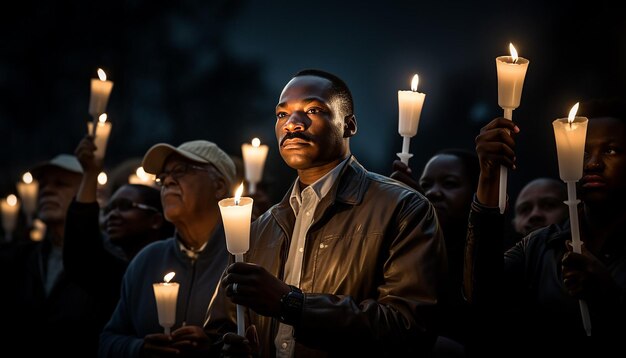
column 102, row 136
column 410, row 105
column 100, row 91
column 236, row 219
column 10, row 208
column 254, row 156
column 28, row 189
column 166, row 294
column 570, row 146
column 511, row 76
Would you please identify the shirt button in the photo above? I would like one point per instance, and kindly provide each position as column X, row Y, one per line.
column 301, row 249
column 308, row 213
column 283, row 346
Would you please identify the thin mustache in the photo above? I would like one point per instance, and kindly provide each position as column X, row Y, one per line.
column 293, row 135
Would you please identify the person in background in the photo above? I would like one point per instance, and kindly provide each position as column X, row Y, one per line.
column 533, row 301
column 46, row 312
column 193, row 177
column 540, row 203
column 349, row 262
column 133, row 218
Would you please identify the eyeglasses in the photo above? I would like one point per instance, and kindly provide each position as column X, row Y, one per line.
column 124, row 205
column 177, row 173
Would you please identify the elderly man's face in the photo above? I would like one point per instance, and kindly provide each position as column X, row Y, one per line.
column 57, row 187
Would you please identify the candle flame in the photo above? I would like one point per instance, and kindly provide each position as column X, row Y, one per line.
column 238, row 194
column 414, row 82
column 102, row 75
column 27, row 178
column 12, row 200
column 513, row 52
column 102, row 118
column 256, row 142
column 169, row 276
column 572, row 113
column 102, row 178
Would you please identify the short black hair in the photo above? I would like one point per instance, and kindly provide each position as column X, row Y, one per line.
column 469, row 160
column 338, row 89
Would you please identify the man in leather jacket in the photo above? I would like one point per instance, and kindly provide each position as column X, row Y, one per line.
column 349, row 262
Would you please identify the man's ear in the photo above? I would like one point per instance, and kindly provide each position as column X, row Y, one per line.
column 349, row 126
column 221, row 189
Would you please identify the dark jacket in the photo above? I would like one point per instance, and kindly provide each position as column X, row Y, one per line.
column 523, row 295
column 373, row 260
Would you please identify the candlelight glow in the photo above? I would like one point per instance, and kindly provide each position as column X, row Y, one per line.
column 102, row 75
column 27, row 178
column 256, row 142
column 414, row 83
column 102, row 118
column 142, row 174
column 513, row 52
column 169, row 276
column 238, row 194
column 102, row 178
column 12, row 200
column 572, row 113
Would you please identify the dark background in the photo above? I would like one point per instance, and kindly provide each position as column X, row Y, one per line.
column 185, row 70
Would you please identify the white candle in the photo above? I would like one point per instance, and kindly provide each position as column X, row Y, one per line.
column 10, row 208
column 410, row 105
column 142, row 178
column 236, row 213
column 28, row 189
column 511, row 72
column 166, row 294
column 100, row 91
column 102, row 135
column 38, row 232
column 254, row 156
column 570, row 134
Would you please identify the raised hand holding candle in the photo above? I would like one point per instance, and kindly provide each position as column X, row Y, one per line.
column 570, row 134
column 236, row 216
column 511, row 72
column 100, row 91
column 254, row 156
column 166, row 294
column 410, row 105
column 10, row 208
column 101, row 135
column 28, row 188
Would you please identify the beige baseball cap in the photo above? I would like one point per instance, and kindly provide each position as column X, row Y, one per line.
column 201, row 151
column 64, row 161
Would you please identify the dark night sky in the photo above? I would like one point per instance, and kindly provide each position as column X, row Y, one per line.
column 214, row 70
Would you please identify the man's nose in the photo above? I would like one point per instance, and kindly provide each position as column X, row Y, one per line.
column 295, row 123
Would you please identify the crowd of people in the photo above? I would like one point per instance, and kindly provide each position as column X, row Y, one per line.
column 348, row 263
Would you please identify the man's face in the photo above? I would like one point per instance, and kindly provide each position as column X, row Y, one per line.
column 310, row 124
column 604, row 170
column 539, row 204
column 187, row 190
column 57, row 187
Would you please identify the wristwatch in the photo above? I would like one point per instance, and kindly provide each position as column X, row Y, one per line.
column 291, row 306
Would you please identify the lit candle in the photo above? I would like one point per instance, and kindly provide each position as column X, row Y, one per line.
column 38, row 232
column 10, row 208
column 28, row 188
column 100, row 91
column 511, row 72
column 102, row 135
column 166, row 294
column 236, row 213
column 254, row 156
column 101, row 190
column 410, row 105
column 570, row 134
column 102, row 179
column 142, row 178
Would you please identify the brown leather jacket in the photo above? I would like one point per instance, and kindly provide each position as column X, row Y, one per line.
column 373, row 261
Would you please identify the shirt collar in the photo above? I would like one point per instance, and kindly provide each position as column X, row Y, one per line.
column 320, row 187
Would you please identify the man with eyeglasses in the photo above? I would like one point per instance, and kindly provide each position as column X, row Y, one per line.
column 193, row 177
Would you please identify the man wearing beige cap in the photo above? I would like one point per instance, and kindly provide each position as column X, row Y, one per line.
column 193, row 178
column 43, row 301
